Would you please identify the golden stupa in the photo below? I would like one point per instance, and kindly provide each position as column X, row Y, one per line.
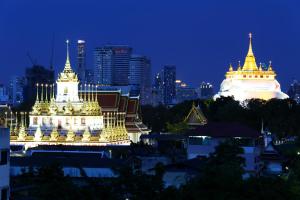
column 251, row 81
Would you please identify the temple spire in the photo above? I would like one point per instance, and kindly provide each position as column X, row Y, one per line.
column 250, row 63
column 67, row 65
column 250, row 52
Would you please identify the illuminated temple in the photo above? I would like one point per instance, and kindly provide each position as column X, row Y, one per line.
column 251, row 81
column 73, row 116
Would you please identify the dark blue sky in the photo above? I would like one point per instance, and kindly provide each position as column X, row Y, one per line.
column 200, row 37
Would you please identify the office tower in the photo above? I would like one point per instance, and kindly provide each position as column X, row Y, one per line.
column 169, row 87
column 157, row 90
column 103, row 63
column 205, row 91
column 111, row 64
column 16, row 90
column 294, row 91
column 81, row 60
column 89, row 76
column 184, row 92
column 3, row 94
column 33, row 75
column 140, row 77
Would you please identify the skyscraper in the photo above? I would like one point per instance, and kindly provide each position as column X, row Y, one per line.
column 294, row 91
column 140, row 77
column 169, row 84
column 33, row 75
column 184, row 92
column 89, row 76
column 111, row 64
column 205, row 91
column 81, row 60
column 103, row 64
column 16, row 90
column 157, row 90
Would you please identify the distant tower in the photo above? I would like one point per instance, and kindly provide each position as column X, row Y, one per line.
column 140, row 77
column 169, row 86
column 111, row 64
column 81, row 60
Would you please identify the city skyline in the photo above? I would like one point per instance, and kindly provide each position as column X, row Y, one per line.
column 195, row 37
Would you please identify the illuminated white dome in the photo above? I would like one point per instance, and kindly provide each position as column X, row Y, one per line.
column 250, row 81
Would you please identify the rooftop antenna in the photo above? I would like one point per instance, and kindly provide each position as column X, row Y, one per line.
column 52, row 52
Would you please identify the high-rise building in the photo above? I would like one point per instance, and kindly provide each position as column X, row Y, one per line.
column 169, row 84
column 140, row 77
column 89, row 76
column 184, row 92
column 4, row 161
column 81, row 60
column 157, row 90
column 205, row 91
column 294, row 91
column 103, row 64
column 33, row 75
column 111, row 64
column 16, row 90
column 3, row 94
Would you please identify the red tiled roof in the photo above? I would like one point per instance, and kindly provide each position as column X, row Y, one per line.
column 108, row 100
column 123, row 104
column 132, row 107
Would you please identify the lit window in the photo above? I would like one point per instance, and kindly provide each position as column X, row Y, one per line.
column 35, row 120
column 83, row 121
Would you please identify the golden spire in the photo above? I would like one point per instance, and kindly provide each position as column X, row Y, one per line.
column 37, row 92
column 260, row 67
column 239, row 66
column 230, row 68
column 270, row 66
column 250, row 64
column 68, row 65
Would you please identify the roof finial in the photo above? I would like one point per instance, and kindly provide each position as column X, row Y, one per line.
column 230, row 67
column 67, row 65
column 250, row 52
column 270, row 66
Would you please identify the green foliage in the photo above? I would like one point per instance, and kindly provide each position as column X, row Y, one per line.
column 281, row 117
column 180, row 127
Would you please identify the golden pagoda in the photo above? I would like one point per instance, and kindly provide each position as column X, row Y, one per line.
column 250, row 81
column 67, row 118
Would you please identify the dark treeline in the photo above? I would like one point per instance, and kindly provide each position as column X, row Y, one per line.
column 281, row 117
column 220, row 177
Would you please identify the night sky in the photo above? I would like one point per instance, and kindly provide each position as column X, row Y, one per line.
column 200, row 37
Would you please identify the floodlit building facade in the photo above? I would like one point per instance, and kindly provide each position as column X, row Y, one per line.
column 250, row 81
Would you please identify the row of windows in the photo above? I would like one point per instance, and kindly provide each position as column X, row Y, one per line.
column 4, row 156
column 35, row 121
column 254, row 76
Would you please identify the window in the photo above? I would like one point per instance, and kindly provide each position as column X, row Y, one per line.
column 66, row 90
column 82, row 121
column 35, row 120
column 4, row 194
column 3, row 157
